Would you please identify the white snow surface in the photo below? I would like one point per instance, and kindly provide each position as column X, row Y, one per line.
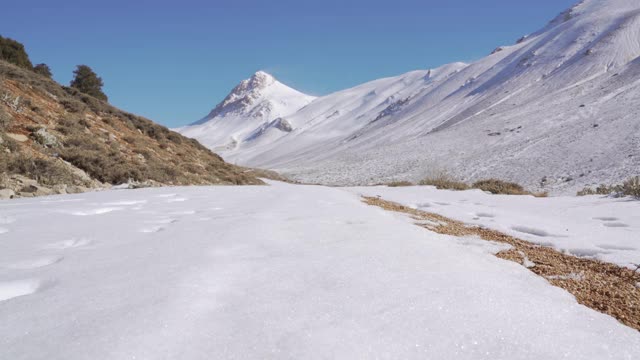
column 273, row 272
column 596, row 227
column 256, row 104
column 557, row 110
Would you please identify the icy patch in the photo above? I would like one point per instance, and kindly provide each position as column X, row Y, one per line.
column 6, row 220
column 35, row 263
column 13, row 289
column 172, row 200
column 126, row 203
column 98, row 211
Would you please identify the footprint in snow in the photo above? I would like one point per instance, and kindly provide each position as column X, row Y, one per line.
column 615, row 225
column 442, row 203
column 152, row 229
column 35, row 263
column 15, row 288
column 606, row 218
column 3, row 230
column 162, row 221
column 69, row 244
column 485, row 215
column 616, row 247
column 126, row 203
column 531, row 231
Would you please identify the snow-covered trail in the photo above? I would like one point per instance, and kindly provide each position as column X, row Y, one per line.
column 270, row 272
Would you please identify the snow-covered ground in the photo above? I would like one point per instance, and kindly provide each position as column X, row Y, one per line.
column 558, row 110
column 280, row 272
column 598, row 227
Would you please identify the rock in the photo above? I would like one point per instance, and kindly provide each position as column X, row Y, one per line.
column 7, row 194
column 17, row 137
column 59, row 189
column 45, row 139
column 36, row 190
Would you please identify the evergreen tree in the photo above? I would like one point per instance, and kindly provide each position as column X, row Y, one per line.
column 13, row 52
column 86, row 81
column 43, row 69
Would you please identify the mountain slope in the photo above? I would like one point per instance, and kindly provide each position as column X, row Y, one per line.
column 557, row 110
column 252, row 105
column 54, row 139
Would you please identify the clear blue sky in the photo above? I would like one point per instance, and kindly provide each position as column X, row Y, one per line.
column 173, row 61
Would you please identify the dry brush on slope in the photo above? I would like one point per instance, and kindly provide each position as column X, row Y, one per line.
column 90, row 143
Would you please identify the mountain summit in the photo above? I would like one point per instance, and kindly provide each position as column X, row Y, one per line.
column 252, row 104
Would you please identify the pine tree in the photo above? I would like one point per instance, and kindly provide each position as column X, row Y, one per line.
column 43, row 69
column 13, row 52
column 88, row 82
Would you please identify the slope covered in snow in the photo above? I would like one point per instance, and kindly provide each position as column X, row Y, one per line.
column 254, row 104
column 277, row 272
column 557, row 110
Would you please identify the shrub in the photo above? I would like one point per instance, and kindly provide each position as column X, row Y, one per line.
column 43, row 170
column 5, row 119
column 43, row 69
column 630, row 187
column 444, row 182
column 88, row 82
column 496, row 186
column 14, row 52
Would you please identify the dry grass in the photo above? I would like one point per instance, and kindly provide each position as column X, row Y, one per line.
column 630, row 187
column 604, row 287
column 444, row 182
column 399, row 184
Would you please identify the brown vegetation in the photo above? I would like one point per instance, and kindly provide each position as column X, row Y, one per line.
column 604, row 287
column 60, row 131
column 630, row 187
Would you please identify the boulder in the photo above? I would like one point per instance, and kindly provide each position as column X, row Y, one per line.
column 6, row 194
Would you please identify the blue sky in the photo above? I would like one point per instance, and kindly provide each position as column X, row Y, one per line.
column 173, row 61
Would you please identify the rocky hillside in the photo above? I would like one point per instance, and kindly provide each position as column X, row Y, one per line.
column 54, row 139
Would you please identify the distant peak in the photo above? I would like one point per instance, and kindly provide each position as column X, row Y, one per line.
column 260, row 80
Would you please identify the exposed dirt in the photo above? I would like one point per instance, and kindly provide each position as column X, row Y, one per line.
column 604, row 287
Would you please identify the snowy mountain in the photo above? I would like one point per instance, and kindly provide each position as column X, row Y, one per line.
column 256, row 103
column 556, row 110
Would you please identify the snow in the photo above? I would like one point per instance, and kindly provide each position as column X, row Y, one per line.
column 560, row 105
column 591, row 226
column 280, row 271
column 253, row 104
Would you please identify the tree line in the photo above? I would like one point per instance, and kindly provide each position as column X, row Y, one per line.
column 84, row 79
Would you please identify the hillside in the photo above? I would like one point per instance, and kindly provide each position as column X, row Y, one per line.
column 556, row 111
column 54, row 139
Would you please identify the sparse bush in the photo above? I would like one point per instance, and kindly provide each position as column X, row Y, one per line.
column 5, row 119
column 71, row 125
column 399, row 184
column 444, row 182
column 73, row 105
column 496, row 186
column 43, row 69
column 630, row 187
column 43, row 170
